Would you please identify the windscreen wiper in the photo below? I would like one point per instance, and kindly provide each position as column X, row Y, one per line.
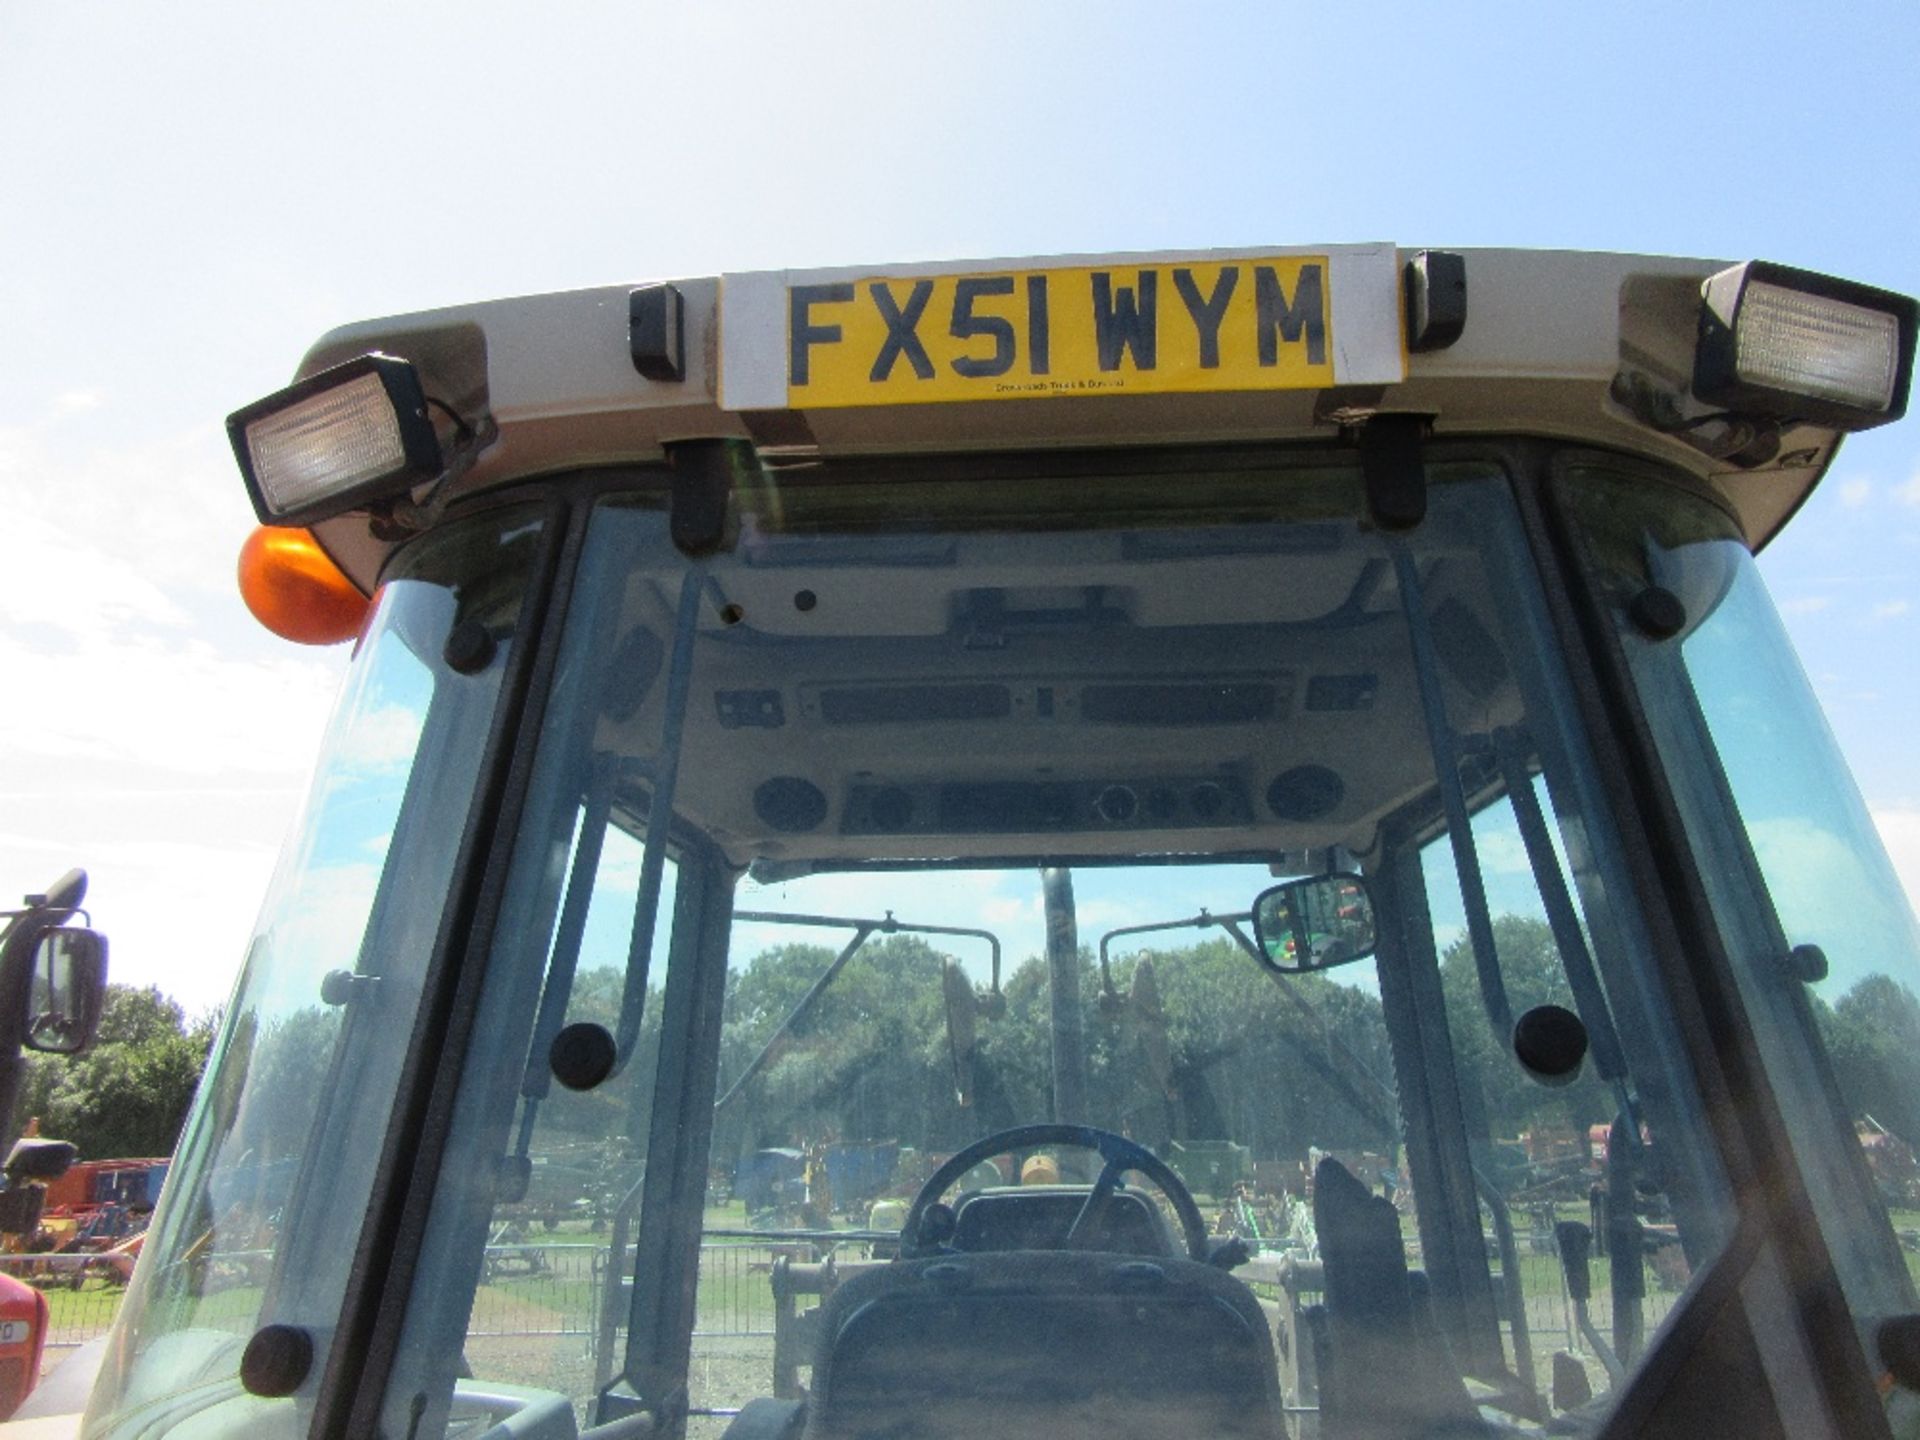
column 863, row 930
column 1382, row 1121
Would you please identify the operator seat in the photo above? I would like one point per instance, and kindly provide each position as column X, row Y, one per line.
column 1384, row 1369
column 1067, row 1345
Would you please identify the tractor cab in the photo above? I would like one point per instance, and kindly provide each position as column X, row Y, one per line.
column 1199, row 844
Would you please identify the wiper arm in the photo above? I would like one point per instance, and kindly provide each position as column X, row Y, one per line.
column 1446, row 765
column 1329, row 1037
column 863, row 930
column 1609, row 1061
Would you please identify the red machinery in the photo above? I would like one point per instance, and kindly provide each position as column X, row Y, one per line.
column 23, row 1336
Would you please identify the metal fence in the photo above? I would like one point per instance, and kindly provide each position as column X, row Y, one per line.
column 81, row 1299
column 558, row 1289
column 531, row 1290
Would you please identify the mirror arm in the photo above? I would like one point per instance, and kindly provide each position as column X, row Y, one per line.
column 1446, row 764
column 1198, row 922
column 887, row 925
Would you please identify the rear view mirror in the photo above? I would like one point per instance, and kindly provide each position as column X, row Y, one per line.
column 69, row 983
column 1314, row 924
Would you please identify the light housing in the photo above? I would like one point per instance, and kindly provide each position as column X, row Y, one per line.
column 1794, row 345
column 353, row 433
column 295, row 589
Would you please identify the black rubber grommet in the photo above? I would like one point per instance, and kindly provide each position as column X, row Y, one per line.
column 582, row 1055
column 1658, row 613
column 276, row 1360
column 1551, row 1041
column 470, row 648
column 1809, row 964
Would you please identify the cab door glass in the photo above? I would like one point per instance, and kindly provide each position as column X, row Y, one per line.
column 277, row 1159
column 1819, row 931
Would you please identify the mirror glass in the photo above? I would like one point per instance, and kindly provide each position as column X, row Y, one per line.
column 1314, row 924
column 69, row 977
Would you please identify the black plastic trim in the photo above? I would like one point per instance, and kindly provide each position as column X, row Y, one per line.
column 419, row 444
column 656, row 337
column 1436, row 299
column 373, row 1309
column 1716, row 378
column 1739, row 1101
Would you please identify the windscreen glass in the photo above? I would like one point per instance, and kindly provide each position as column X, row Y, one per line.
column 270, row 1185
column 1820, row 933
column 880, row 1022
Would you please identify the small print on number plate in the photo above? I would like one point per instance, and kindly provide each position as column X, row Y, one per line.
column 1135, row 326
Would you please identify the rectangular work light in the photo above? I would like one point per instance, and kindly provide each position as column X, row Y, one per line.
column 1793, row 345
column 335, row 440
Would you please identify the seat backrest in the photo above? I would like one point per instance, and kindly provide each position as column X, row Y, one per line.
column 1384, row 1370
column 1043, row 1343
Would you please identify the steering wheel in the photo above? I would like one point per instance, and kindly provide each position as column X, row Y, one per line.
column 1119, row 1156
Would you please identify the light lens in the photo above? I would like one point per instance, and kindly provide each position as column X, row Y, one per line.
column 294, row 589
column 1811, row 345
column 331, row 442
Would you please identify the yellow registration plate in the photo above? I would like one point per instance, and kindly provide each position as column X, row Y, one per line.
column 1129, row 327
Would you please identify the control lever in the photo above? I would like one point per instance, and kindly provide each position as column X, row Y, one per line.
column 1575, row 1241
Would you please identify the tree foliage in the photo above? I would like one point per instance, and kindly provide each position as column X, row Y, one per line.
column 1873, row 1036
column 128, row 1096
column 1242, row 1058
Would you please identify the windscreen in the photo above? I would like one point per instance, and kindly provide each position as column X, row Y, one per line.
column 891, row 1016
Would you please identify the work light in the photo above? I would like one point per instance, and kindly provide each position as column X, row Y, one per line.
column 1794, row 345
column 335, row 440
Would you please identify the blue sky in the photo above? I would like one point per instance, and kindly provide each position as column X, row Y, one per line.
column 195, row 193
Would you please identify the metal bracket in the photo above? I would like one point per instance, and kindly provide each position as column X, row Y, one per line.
column 1395, row 469
column 705, row 473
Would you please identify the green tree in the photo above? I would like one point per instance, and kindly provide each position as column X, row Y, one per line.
column 1873, row 1036
column 128, row 1096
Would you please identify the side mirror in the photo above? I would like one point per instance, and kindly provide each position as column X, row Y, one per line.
column 1314, row 924
column 69, row 984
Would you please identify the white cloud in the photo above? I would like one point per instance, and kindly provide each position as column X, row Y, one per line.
column 152, row 734
column 1891, row 609
column 1806, row 605
column 1823, row 891
column 174, row 710
column 1856, row 493
column 1909, row 493
column 1900, row 831
column 177, row 913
